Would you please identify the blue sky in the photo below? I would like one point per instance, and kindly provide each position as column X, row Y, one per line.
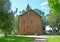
column 34, row 4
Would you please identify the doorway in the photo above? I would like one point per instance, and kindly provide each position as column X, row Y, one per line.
column 36, row 31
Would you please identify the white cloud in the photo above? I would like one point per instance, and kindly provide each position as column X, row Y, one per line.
column 43, row 5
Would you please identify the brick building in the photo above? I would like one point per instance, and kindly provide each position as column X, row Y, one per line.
column 30, row 22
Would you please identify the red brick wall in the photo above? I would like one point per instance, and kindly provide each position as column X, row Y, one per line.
column 29, row 22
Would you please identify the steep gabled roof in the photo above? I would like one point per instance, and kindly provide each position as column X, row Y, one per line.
column 30, row 10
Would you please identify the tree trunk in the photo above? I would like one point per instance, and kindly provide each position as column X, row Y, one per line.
column 6, row 34
column 58, row 30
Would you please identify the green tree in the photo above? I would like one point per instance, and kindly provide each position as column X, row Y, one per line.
column 54, row 16
column 6, row 16
column 16, row 23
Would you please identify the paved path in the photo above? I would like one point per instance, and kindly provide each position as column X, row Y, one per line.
column 37, row 39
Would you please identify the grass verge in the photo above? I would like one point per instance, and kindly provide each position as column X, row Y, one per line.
column 55, row 38
column 16, row 39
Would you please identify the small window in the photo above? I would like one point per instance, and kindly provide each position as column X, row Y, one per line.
column 24, row 29
column 23, row 21
column 31, row 21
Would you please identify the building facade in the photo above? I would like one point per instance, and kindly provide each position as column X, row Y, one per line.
column 30, row 23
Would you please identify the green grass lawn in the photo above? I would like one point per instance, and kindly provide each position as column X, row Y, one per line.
column 55, row 38
column 16, row 39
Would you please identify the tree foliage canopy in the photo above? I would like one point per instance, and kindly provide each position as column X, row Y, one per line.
column 54, row 5
column 6, row 16
column 54, row 17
